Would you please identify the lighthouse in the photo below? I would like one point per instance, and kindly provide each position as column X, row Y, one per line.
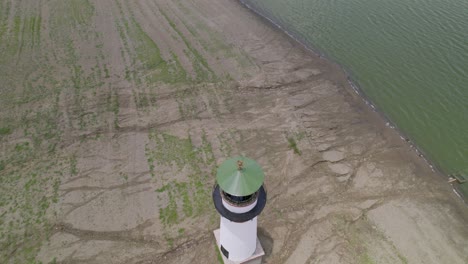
column 239, row 197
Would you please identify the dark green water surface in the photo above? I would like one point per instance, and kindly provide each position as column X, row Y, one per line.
column 410, row 58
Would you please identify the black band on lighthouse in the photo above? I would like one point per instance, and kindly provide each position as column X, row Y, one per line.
column 243, row 217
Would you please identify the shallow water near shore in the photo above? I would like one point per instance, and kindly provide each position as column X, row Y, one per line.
column 410, row 58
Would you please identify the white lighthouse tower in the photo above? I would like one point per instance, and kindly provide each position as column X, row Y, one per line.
column 239, row 197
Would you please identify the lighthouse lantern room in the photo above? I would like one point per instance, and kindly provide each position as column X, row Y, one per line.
column 239, row 197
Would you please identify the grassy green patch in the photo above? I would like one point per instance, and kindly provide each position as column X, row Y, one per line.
column 183, row 191
column 81, row 11
column 30, row 183
column 115, row 107
column 149, row 54
column 189, row 198
column 32, row 30
column 366, row 259
column 172, row 150
column 124, row 176
column 4, row 13
column 293, row 145
column 5, row 131
column 402, row 258
column 73, row 165
column 23, row 223
column 155, row 68
column 200, row 65
column 169, row 215
column 169, row 240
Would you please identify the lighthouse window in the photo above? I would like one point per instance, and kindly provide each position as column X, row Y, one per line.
column 225, row 252
column 240, row 199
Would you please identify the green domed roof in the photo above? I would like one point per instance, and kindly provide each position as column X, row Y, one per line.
column 240, row 176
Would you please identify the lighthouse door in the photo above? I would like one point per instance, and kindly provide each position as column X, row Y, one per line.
column 225, row 252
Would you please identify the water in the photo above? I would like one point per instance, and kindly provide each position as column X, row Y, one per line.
column 410, row 58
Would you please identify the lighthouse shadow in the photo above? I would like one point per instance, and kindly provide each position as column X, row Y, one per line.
column 265, row 240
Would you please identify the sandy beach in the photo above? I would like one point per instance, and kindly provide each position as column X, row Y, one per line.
column 145, row 98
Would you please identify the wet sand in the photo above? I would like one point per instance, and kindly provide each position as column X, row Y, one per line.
column 139, row 187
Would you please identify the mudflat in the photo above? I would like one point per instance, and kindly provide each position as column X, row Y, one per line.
column 116, row 113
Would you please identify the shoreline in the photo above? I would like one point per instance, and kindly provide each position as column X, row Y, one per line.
column 362, row 95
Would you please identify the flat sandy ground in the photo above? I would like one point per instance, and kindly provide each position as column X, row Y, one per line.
column 114, row 115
